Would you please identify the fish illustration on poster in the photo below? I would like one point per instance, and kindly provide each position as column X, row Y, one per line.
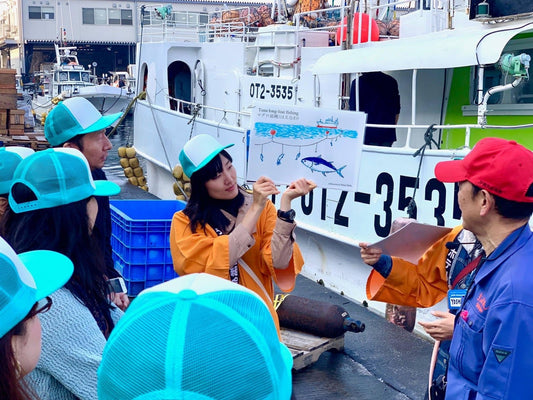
column 289, row 142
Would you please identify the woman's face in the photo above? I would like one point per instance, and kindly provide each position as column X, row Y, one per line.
column 92, row 211
column 224, row 185
column 27, row 347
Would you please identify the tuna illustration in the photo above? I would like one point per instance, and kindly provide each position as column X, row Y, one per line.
column 318, row 164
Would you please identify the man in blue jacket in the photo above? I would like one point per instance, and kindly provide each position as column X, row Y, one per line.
column 490, row 353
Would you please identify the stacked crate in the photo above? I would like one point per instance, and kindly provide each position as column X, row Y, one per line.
column 8, row 98
column 13, row 130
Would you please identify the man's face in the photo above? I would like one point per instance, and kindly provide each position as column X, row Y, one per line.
column 95, row 148
column 469, row 205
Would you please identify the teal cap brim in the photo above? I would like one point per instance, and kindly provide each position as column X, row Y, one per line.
column 50, row 270
column 102, row 123
column 106, row 188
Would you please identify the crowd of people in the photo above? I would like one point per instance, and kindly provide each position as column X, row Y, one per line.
column 65, row 334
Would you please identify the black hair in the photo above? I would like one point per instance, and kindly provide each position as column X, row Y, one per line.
column 64, row 229
column 77, row 141
column 11, row 386
column 508, row 208
column 201, row 208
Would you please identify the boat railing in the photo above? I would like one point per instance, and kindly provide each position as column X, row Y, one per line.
column 432, row 131
column 192, row 108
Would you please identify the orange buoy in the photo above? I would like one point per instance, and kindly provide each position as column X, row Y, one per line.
column 374, row 34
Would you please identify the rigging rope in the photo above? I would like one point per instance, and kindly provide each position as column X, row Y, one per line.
column 428, row 140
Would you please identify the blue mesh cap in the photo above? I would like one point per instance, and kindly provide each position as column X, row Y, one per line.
column 27, row 278
column 72, row 117
column 198, row 151
column 57, row 177
column 10, row 158
column 196, row 337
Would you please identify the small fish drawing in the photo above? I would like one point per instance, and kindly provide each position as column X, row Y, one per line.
column 318, row 164
column 278, row 161
column 297, row 156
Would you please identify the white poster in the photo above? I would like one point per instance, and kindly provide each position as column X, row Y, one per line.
column 323, row 145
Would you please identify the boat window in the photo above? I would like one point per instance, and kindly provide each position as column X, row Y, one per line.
column 494, row 76
column 75, row 76
column 179, row 86
column 85, row 77
column 63, row 76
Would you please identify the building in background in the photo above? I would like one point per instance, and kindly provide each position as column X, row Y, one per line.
column 105, row 32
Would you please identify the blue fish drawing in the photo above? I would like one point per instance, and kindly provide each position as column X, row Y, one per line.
column 278, row 161
column 318, row 164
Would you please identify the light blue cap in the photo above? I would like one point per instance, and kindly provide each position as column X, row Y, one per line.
column 196, row 337
column 27, row 278
column 57, row 177
column 73, row 117
column 198, row 151
column 10, row 158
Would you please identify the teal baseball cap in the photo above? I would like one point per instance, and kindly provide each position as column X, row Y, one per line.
column 198, row 151
column 73, row 117
column 27, row 278
column 196, row 337
column 56, row 177
column 10, row 158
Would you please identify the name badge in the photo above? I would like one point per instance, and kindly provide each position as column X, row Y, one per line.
column 455, row 298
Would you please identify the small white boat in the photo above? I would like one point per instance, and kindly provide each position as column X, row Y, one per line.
column 67, row 78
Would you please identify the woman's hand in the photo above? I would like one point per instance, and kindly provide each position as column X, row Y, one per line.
column 263, row 188
column 370, row 256
column 121, row 300
column 296, row 189
column 442, row 328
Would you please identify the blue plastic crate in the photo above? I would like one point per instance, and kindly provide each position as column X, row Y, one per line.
column 140, row 241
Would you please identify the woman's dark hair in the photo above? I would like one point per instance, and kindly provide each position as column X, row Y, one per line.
column 64, row 229
column 201, row 208
column 11, row 387
column 508, row 208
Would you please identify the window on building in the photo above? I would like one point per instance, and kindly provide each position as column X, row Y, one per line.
column 100, row 16
column 94, row 16
column 126, row 17
column 87, row 16
column 37, row 12
column 114, row 16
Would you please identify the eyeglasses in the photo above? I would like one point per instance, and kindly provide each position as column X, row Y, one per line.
column 42, row 306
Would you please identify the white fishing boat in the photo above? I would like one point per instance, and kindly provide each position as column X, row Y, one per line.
column 462, row 75
column 67, row 78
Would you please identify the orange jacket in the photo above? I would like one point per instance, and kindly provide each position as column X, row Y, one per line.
column 208, row 252
column 420, row 285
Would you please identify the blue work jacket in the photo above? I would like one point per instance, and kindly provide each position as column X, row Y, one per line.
column 491, row 354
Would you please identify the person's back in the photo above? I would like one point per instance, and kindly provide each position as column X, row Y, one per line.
column 196, row 337
column 52, row 207
column 380, row 99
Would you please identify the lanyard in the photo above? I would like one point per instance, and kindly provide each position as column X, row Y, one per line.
column 234, row 270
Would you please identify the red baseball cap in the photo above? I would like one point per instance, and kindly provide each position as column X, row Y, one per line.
column 502, row 167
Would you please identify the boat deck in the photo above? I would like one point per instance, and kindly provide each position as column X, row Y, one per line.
column 383, row 362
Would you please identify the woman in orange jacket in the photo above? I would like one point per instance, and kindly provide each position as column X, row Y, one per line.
column 230, row 233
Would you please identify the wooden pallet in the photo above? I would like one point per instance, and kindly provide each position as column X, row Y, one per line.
column 307, row 348
column 29, row 139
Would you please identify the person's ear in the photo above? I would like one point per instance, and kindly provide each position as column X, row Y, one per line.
column 71, row 145
column 486, row 201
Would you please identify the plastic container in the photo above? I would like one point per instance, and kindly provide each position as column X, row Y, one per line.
column 140, row 241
